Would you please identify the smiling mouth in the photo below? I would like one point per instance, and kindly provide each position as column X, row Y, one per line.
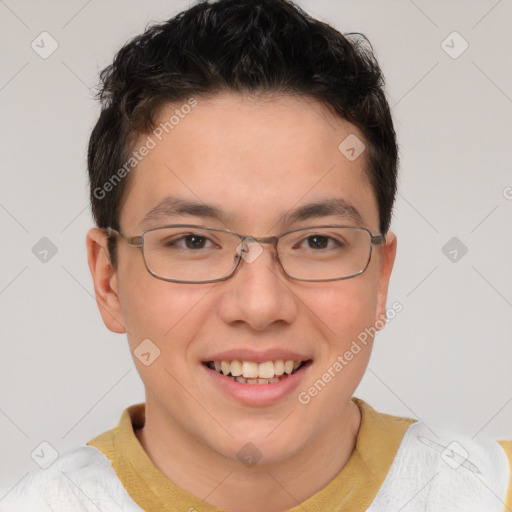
column 250, row 372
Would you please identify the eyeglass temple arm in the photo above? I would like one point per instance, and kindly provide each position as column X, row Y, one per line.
column 378, row 239
column 136, row 241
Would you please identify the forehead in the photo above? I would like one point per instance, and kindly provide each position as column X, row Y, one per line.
column 252, row 158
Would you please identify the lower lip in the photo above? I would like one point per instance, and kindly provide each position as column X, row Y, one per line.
column 258, row 394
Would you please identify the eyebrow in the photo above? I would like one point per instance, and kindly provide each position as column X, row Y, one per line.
column 174, row 206
column 336, row 207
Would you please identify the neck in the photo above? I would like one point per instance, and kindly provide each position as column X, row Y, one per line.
column 226, row 484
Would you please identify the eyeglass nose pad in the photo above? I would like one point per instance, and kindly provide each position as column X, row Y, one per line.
column 249, row 249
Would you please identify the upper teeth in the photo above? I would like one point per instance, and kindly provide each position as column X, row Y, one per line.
column 252, row 370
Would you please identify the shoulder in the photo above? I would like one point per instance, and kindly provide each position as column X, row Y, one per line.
column 444, row 470
column 81, row 480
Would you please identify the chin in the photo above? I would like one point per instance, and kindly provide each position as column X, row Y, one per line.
column 266, row 446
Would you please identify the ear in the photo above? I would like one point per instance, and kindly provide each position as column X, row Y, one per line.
column 387, row 259
column 105, row 280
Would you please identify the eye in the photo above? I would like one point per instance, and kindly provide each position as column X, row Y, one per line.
column 191, row 241
column 318, row 241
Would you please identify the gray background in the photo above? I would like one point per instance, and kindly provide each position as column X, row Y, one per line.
column 445, row 359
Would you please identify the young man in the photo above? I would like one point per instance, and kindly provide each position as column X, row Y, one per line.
column 243, row 174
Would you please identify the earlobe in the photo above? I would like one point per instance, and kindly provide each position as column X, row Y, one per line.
column 388, row 253
column 105, row 280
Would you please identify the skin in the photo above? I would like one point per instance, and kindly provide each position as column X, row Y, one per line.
column 256, row 158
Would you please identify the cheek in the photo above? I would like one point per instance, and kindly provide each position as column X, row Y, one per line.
column 159, row 310
column 346, row 309
column 162, row 319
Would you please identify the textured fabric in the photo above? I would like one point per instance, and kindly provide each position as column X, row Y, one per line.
column 82, row 480
column 451, row 473
column 114, row 473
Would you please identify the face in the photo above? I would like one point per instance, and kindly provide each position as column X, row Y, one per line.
column 254, row 160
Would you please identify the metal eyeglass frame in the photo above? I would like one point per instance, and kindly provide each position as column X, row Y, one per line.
column 138, row 241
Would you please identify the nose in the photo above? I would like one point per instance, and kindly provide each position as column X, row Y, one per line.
column 259, row 294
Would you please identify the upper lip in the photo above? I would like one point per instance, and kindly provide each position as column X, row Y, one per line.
column 272, row 354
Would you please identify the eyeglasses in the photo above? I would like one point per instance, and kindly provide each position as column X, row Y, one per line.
column 187, row 253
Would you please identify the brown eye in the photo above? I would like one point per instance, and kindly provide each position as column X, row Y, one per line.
column 194, row 241
column 317, row 242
